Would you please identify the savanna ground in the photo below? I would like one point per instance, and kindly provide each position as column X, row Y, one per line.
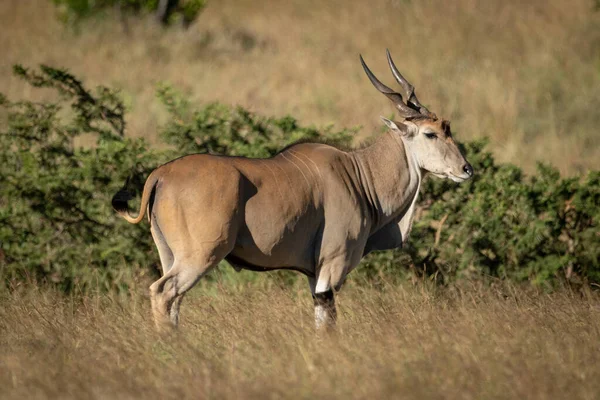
column 525, row 74
column 394, row 341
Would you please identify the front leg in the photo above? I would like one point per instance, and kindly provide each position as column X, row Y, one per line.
column 329, row 278
column 325, row 312
column 324, row 300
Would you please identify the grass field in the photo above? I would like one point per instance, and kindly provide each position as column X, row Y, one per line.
column 407, row 342
column 525, row 74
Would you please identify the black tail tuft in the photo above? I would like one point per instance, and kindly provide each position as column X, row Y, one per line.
column 121, row 198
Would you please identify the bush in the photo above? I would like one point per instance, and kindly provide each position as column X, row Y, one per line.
column 74, row 11
column 57, row 226
column 220, row 129
column 503, row 224
column 56, row 223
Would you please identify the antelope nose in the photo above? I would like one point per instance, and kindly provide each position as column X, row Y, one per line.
column 468, row 169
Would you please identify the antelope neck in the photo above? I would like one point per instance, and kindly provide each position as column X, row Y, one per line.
column 389, row 177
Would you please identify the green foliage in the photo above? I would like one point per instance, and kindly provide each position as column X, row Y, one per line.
column 56, row 222
column 57, row 225
column 502, row 224
column 190, row 9
column 235, row 131
column 74, row 11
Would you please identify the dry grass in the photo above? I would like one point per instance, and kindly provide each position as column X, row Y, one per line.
column 524, row 74
column 392, row 342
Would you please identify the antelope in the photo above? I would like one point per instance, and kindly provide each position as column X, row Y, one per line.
column 312, row 208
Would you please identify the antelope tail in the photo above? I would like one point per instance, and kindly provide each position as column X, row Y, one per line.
column 122, row 197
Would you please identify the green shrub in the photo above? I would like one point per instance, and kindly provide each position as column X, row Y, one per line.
column 220, row 129
column 74, row 11
column 56, row 222
column 57, row 226
column 505, row 225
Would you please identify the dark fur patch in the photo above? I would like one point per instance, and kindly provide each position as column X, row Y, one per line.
column 446, row 127
column 121, row 198
column 323, row 298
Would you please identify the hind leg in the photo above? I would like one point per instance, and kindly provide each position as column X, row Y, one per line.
column 164, row 251
column 200, row 228
column 174, row 312
column 167, row 292
column 195, row 257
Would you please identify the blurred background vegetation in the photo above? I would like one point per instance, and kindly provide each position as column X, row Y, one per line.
column 525, row 74
column 73, row 12
column 227, row 79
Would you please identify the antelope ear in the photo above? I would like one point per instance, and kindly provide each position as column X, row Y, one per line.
column 398, row 127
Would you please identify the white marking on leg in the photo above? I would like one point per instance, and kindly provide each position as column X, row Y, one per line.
column 322, row 286
column 321, row 316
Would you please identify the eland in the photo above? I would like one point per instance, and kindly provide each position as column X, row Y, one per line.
column 312, row 208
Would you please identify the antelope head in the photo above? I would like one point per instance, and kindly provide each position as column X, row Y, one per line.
column 426, row 137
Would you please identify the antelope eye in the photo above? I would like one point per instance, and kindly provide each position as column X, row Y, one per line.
column 430, row 135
